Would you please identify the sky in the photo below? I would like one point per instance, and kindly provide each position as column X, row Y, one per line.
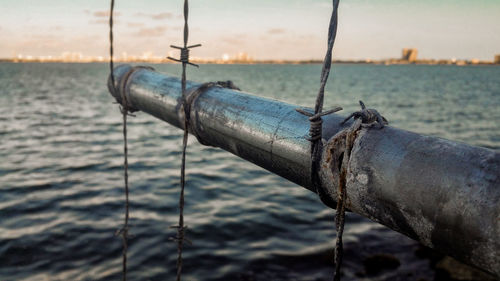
column 264, row 29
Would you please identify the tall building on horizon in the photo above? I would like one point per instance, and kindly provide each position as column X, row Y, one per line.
column 497, row 59
column 409, row 54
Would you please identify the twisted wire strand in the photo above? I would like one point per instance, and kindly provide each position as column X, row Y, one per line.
column 181, row 229
column 316, row 122
column 123, row 232
column 184, row 59
column 327, row 63
column 341, row 194
column 111, row 64
column 315, row 137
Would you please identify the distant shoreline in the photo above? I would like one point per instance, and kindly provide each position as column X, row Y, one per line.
column 287, row 62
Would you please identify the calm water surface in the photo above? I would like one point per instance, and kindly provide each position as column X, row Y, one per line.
column 61, row 186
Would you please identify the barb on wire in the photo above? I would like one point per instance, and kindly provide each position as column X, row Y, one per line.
column 184, row 59
column 123, row 232
column 315, row 131
column 184, row 54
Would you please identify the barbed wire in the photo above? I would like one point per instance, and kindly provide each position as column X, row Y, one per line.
column 123, row 232
column 315, row 137
column 184, row 59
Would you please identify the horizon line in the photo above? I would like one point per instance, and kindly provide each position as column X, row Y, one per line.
column 390, row 61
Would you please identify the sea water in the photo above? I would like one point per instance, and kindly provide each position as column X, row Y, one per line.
column 61, row 175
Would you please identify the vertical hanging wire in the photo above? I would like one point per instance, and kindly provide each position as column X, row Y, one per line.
column 315, row 137
column 325, row 72
column 111, row 65
column 180, row 229
column 123, row 232
column 315, row 147
column 340, row 211
column 315, row 130
column 184, row 59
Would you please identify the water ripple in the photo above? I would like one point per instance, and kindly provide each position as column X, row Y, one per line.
column 61, row 194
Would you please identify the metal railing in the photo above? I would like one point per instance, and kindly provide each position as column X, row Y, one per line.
column 444, row 194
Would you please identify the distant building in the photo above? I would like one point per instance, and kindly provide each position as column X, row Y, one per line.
column 409, row 55
column 243, row 57
column 497, row 59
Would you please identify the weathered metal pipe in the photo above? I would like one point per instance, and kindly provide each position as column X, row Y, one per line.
column 442, row 193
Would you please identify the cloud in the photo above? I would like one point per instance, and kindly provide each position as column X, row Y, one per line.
column 161, row 16
column 158, row 16
column 276, row 31
column 151, row 31
column 42, row 41
column 101, row 21
column 104, row 14
column 135, row 24
column 233, row 40
column 102, row 17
